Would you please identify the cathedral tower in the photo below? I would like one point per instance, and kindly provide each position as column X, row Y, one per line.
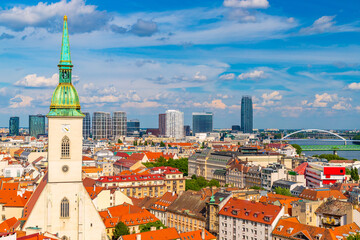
column 61, row 204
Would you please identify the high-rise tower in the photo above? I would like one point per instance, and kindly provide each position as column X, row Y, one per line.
column 60, row 204
column 174, row 124
column 246, row 114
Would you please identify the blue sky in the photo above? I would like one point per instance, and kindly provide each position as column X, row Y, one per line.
column 300, row 60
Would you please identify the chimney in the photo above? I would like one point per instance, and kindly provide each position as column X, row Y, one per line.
column 138, row 237
column 203, row 234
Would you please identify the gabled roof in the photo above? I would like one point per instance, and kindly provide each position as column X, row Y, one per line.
column 163, row 234
column 316, row 194
column 164, row 202
column 196, row 235
column 250, row 210
column 291, row 228
column 123, row 209
column 137, row 156
column 34, row 197
column 93, row 192
column 122, row 154
column 301, row 168
column 8, row 225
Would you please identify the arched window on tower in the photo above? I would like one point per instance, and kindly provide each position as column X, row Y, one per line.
column 64, row 208
column 65, row 147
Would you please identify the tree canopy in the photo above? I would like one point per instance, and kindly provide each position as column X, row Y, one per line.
column 298, row 148
column 147, row 227
column 354, row 174
column 283, row 191
column 120, row 229
column 181, row 164
column 197, row 183
column 354, row 237
column 330, row 157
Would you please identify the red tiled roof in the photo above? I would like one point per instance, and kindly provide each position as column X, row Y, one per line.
column 86, row 158
column 122, row 154
column 165, row 201
column 35, row 196
column 315, row 194
column 250, row 210
column 301, row 168
column 127, row 163
column 136, row 156
column 196, row 235
column 93, row 193
column 163, row 234
column 131, row 178
column 123, row 209
column 8, row 225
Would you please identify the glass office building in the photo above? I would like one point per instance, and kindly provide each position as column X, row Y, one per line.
column 14, row 126
column 86, row 125
column 101, row 125
column 133, row 128
column 246, row 114
column 202, row 122
column 36, row 125
column 162, row 124
column 119, row 124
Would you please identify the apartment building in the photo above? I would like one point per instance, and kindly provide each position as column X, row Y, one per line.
column 250, row 220
column 319, row 174
column 160, row 206
column 187, row 212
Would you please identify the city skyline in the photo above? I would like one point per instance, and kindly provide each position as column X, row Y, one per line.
column 299, row 61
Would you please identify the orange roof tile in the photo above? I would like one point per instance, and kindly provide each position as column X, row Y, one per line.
column 7, row 225
column 163, row 234
column 250, row 210
column 316, row 194
column 196, row 235
column 123, row 209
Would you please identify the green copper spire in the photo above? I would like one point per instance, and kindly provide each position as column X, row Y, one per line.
column 65, row 100
column 65, row 59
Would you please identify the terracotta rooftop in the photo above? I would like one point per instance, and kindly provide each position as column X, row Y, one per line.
column 163, row 234
column 250, row 210
column 8, row 225
column 291, row 228
column 316, row 194
column 164, row 202
column 196, row 235
column 335, row 207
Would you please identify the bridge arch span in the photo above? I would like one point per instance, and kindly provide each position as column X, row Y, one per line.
column 313, row 130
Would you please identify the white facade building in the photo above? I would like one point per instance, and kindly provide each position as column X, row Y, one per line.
column 249, row 220
column 174, row 124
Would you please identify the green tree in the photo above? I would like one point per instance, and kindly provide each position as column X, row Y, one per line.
column 162, row 144
column 214, row 182
column 283, row 191
column 330, row 157
column 192, row 184
column 277, row 136
column 256, row 188
column 152, row 144
column 298, row 148
column 145, row 143
column 119, row 141
column 348, row 171
column 120, row 229
column 202, row 145
column 354, row 237
column 147, row 227
column 355, row 175
column 135, row 143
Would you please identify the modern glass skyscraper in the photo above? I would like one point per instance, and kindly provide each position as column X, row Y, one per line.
column 101, row 125
column 86, row 125
column 202, row 122
column 133, row 128
column 162, row 124
column 14, row 126
column 174, row 124
column 36, row 125
column 119, row 123
column 246, row 114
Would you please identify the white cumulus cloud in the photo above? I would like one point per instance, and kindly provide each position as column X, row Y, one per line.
column 354, row 86
column 217, row 103
column 256, row 74
column 20, row 101
column 321, row 25
column 228, row 76
column 247, row 3
column 271, row 98
column 34, row 81
column 199, row 77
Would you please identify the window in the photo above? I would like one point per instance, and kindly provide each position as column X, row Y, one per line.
column 64, row 208
column 65, row 147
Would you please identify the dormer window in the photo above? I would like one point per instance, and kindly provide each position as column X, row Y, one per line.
column 289, row 230
column 280, row 228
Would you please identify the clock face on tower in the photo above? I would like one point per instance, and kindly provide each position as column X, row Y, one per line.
column 65, row 128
